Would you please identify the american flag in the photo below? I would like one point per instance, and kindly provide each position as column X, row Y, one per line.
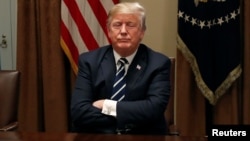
column 83, row 26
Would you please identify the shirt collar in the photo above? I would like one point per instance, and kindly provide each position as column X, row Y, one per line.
column 129, row 58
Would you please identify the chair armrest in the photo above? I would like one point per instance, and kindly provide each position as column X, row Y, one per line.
column 10, row 127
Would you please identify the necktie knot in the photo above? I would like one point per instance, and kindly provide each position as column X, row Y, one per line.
column 123, row 61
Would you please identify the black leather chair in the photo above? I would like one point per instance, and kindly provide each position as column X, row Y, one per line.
column 9, row 95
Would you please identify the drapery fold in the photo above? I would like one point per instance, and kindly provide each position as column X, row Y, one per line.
column 45, row 71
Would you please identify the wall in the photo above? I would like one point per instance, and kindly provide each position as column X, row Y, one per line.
column 8, row 15
column 161, row 25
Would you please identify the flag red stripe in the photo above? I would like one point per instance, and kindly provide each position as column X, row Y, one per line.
column 83, row 28
column 77, row 35
column 116, row 1
column 100, row 14
column 69, row 42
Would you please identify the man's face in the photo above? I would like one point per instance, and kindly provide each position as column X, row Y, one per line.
column 125, row 33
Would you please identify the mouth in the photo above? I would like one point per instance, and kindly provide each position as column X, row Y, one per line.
column 123, row 40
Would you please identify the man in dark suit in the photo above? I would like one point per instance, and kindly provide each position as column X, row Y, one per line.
column 145, row 86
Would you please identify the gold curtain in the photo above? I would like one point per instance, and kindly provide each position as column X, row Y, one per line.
column 46, row 76
column 194, row 115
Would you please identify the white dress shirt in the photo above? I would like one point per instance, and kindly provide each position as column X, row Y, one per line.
column 109, row 106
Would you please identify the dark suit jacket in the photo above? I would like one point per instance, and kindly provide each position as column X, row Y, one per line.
column 148, row 89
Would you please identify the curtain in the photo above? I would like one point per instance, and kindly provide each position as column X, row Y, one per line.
column 46, row 76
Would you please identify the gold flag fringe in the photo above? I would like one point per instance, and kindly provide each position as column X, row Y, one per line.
column 212, row 97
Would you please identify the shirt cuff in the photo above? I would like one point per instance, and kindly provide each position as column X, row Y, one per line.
column 109, row 107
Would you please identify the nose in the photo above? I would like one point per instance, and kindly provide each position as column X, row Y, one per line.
column 123, row 29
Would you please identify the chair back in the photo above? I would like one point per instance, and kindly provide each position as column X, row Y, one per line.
column 169, row 113
column 9, row 94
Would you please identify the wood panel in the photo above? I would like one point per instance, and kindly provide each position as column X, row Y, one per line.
column 246, row 67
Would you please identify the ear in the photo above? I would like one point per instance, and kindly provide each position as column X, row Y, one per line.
column 142, row 34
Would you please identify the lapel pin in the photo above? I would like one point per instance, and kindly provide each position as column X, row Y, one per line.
column 138, row 67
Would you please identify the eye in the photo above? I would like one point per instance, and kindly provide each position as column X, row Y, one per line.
column 131, row 24
column 116, row 25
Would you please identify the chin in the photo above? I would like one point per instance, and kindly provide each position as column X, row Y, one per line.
column 124, row 45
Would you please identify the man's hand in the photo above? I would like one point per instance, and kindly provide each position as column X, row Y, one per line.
column 98, row 104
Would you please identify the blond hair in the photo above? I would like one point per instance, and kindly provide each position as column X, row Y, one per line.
column 128, row 8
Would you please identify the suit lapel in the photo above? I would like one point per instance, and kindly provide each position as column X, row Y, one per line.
column 109, row 70
column 136, row 69
column 135, row 72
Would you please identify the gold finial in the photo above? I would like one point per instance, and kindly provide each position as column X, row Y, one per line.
column 196, row 2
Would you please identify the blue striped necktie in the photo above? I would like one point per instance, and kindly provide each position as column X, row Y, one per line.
column 120, row 82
